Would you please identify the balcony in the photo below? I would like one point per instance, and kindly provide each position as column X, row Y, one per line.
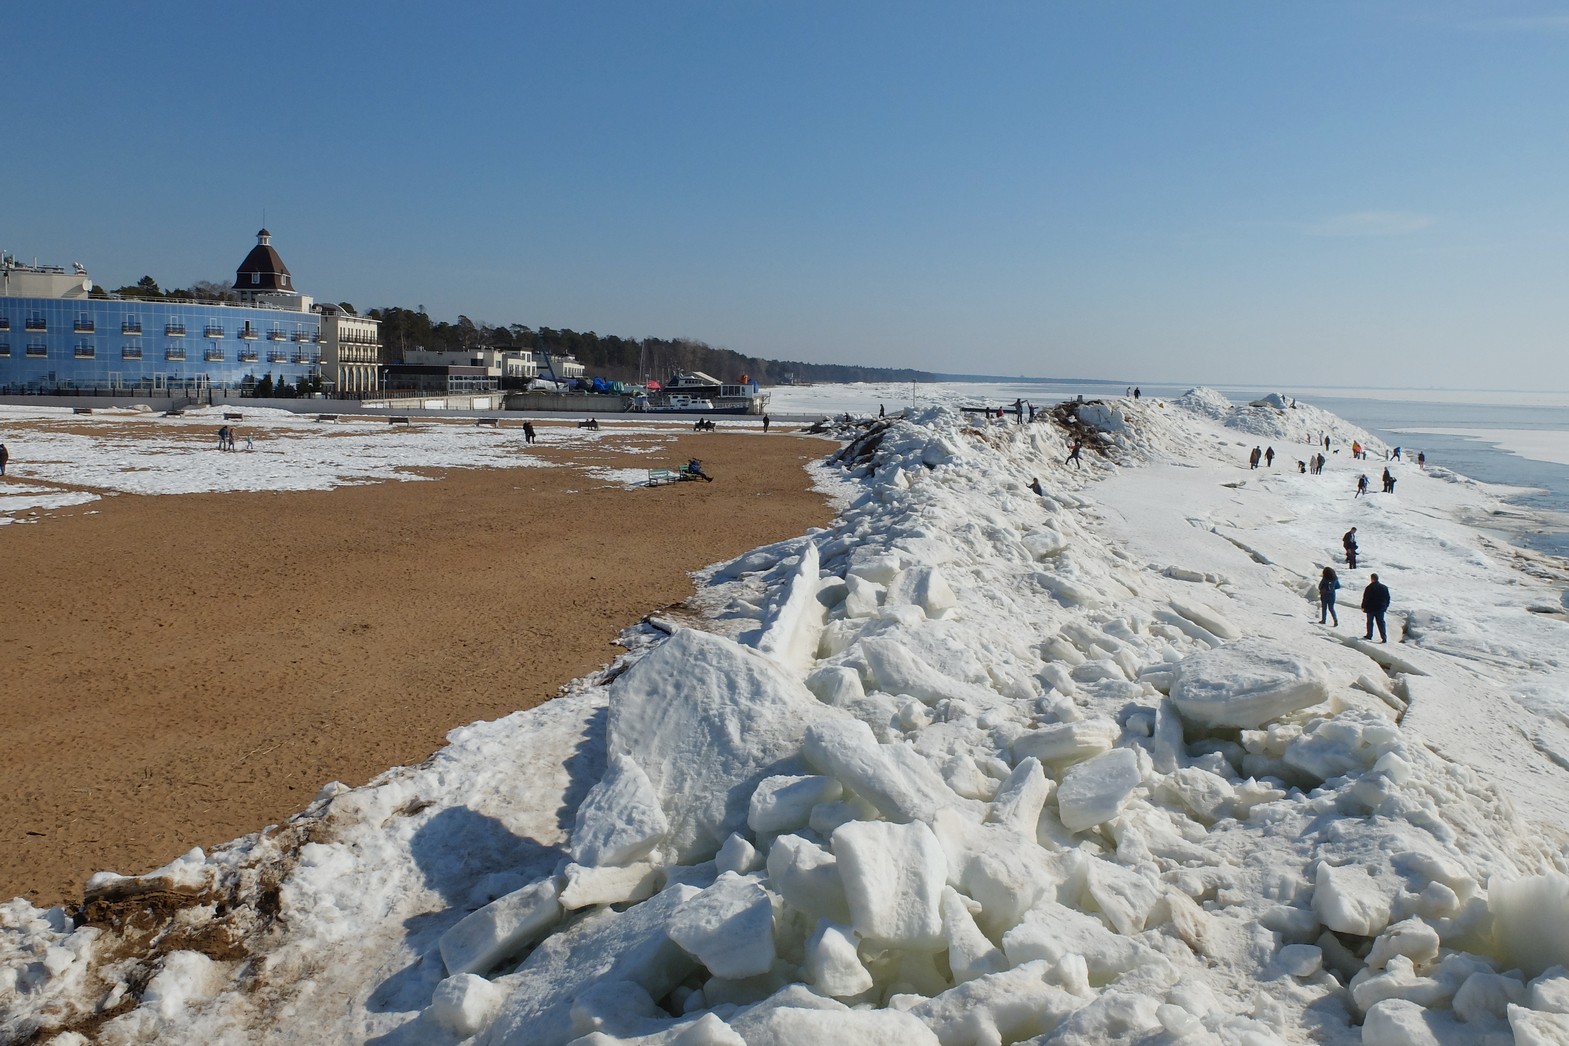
column 277, row 356
column 174, row 330
column 213, row 355
column 83, row 326
column 5, row 323
column 249, row 355
column 5, row 350
column 37, row 352
column 131, row 327
column 301, row 336
column 130, row 353
column 213, row 330
column 84, row 352
column 248, row 333
column 276, row 335
column 174, row 355
column 37, row 323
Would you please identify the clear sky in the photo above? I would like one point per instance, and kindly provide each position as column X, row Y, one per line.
column 1370, row 193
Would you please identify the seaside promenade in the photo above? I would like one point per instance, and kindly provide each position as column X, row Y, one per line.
column 183, row 669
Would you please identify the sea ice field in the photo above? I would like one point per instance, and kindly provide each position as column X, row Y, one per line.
column 1013, row 751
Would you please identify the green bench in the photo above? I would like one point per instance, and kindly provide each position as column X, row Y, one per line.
column 658, row 476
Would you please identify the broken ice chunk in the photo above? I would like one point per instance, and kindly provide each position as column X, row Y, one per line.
column 1094, row 791
column 502, row 928
column 1246, row 684
column 620, row 820
column 729, row 927
column 783, row 803
column 893, row 879
column 1349, row 900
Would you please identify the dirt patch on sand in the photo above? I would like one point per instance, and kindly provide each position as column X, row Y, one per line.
column 182, row 670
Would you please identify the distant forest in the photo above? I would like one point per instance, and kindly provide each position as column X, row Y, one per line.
column 605, row 355
column 615, row 358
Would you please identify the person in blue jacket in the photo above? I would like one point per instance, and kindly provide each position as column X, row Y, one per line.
column 1327, row 584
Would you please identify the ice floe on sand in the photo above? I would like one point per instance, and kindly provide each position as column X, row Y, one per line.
column 975, row 765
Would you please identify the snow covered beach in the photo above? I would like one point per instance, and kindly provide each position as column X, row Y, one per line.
column 973, row 765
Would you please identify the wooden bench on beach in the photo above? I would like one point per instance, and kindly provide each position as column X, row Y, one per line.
column 326, row 417
column 233, row 417
column 490, row 423
column 658, row 476
column 397, row 419
column 81, row 410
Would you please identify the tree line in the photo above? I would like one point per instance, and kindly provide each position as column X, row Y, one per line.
column 606, row 356
column 613, row 357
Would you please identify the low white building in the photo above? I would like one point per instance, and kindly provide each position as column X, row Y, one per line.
column 507, row 365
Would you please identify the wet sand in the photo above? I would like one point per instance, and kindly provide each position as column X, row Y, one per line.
column 181, row 670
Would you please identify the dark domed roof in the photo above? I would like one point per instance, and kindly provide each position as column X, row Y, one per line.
column 263, row 270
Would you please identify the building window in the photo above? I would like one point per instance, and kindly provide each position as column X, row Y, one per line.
column 255, row 279
column 174, row 352
column 84, row 352
column 130, row 325
column 131, row 352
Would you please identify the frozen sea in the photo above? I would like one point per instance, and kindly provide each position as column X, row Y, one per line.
column 1010, row 752
column 1511, row 438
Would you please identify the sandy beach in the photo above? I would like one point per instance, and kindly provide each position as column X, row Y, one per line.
column 185, row 669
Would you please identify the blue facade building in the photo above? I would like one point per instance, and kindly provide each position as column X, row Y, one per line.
column 56, row 337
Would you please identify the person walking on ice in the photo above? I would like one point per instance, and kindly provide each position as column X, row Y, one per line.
column 5, row 456
column 1327, row 584
column 1269, row 458
column 1349, row 543
column 1361, row 486
column 1375, row 601
column 1253, row 458
column 1073, row 454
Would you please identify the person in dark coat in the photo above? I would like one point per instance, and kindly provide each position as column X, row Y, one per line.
column 1254, row 457
column 1375, row 600
column 1073, row 454
column 1327, row 584
column 1349, row 543
column 5, row 456
column 1269, row 458
column 528, row 432
column 1389, row 482
column 1361, row 486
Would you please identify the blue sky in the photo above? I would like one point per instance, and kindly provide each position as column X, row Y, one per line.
column 1231, row 192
